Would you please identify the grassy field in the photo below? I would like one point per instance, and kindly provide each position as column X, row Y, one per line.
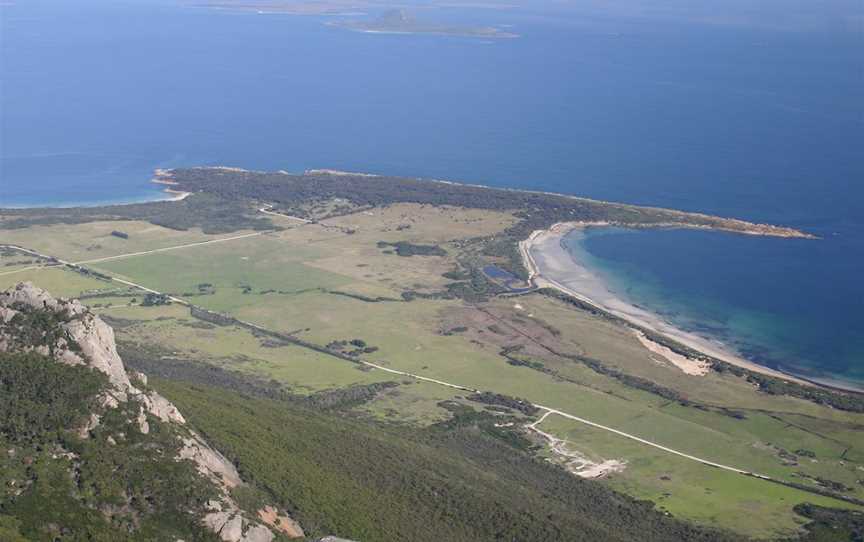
column 415, row 345
column 253, row 265
column 58, row 281
column 379, row 483
column 300, row 369
column 294, row 281
column 685, row 489
column 753, row 443
column 94, row 240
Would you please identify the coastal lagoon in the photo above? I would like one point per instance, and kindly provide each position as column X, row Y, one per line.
column 757, row 116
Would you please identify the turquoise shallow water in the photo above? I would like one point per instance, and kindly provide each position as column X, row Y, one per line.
column 753, row 113
column 763, row 297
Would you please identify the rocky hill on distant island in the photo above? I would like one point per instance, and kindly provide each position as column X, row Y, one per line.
column 399, row 21
column 90, row 452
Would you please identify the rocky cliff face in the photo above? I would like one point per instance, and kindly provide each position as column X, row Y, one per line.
column 65, row 330
column 78, row 338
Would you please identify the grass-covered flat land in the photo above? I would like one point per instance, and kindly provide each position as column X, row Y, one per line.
column 339, row 281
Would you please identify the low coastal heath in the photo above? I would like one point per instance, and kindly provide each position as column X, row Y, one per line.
column 549, row 264
column 162, row 176
column 687, row 365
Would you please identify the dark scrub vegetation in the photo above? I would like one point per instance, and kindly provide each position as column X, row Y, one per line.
column 404, row 248
column 375, row 483
column 211, row 213
column 55, row 485
column 288, row 191
column 499, row 399
column 32, row 328
column 829, row 524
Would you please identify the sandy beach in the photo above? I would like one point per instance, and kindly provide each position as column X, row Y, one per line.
column 177, row 195
column 162, row 176
column 550, row 265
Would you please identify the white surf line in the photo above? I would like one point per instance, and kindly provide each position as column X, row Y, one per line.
column 177, row 247
column 527, row 257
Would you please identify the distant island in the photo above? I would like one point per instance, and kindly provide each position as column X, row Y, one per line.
column 323, row 7
column 391, row 21
column 398, row 21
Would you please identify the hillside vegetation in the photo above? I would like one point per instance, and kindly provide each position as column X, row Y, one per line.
column 455, row 482
column 331, row 317
column 57, row 485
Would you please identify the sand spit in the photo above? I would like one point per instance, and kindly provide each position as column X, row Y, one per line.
column 550, row 265
column 693, row 367
column 164, row 176
column 177, row 195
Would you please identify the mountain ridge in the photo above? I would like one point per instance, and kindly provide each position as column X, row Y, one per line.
column 66, row 332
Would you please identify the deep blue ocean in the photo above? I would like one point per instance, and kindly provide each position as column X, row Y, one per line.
column 751, row 110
